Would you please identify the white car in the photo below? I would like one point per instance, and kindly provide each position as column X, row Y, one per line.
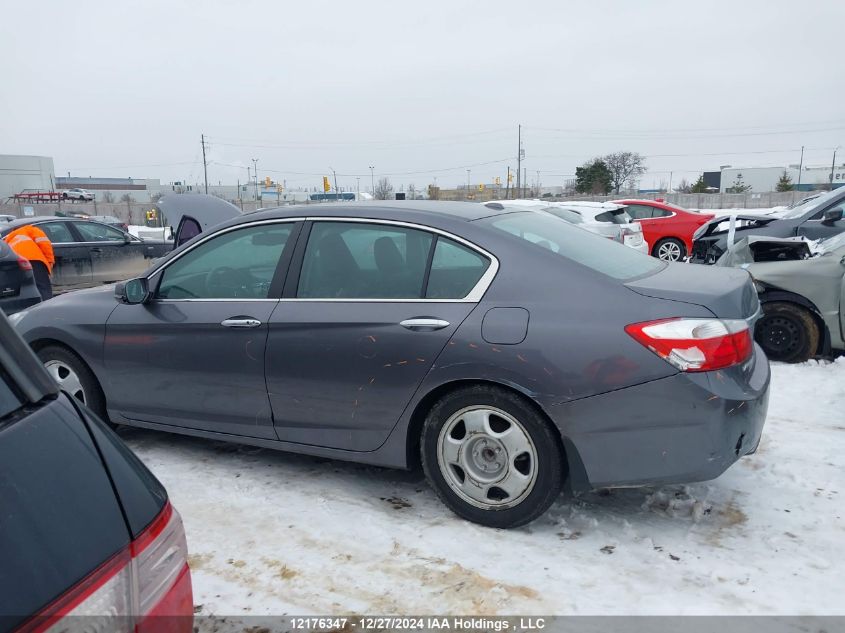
column 603, row 218
column 77, row 194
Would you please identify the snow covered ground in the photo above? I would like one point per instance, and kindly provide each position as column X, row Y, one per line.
column 274, row 533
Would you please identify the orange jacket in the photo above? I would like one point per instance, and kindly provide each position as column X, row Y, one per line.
column 33, row 244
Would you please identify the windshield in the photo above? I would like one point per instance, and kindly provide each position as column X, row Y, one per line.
column 573, row 217
column 599, row 253
column 808, row 205
column 832, row 243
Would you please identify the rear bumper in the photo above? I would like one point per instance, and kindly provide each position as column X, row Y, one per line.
column 25, row 300
column 679, row 429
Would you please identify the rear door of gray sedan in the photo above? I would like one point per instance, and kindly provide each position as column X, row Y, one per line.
column 193, row 356
column 360, row 325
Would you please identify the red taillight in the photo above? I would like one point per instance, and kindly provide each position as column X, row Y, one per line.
column 144, row 588
column 24, row 263
column 696, row 344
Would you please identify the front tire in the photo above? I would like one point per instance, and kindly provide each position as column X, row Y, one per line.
column 74, row 377
column 491, row 457
column 670, row 249
column 787, row 332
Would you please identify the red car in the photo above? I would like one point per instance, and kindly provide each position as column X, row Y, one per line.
column 667, row 229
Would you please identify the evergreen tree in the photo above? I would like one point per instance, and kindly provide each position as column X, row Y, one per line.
column 784, row 182
column 738, row 186
column 593, row 177
column 699, row 186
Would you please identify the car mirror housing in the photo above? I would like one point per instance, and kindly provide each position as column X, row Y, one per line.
column 832, row 215
column 133, row 292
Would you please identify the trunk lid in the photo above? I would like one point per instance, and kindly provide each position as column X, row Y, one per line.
column 727, row 292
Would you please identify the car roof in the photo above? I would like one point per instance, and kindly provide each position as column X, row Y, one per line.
column 422, row 211
column 38, row 219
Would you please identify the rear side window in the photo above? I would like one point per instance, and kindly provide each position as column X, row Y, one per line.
column 593, row 251
column 356, row 260
column 98, row 232
column 616, row 217
column 640, row 211
column 56, row 232
column 455, row 270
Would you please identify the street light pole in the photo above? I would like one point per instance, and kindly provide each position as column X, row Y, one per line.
column 468, row 174
column 833, row 165
column 372, row 181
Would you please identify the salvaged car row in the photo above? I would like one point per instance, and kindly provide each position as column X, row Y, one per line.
column 502, row 348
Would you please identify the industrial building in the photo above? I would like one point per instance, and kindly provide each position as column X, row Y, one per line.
column 764, row 179
column 21, row 173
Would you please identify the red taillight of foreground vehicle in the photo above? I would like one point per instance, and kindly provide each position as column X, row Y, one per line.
column 24, row 263
column 144, row 588
column 696, row 344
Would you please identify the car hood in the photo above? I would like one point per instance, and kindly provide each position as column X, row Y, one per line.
column 760, row 248
column 719, row 226
column 727, row 292
column 207, row 210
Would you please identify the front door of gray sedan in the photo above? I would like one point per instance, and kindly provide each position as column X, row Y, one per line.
column 193, row 356
column 375, row 305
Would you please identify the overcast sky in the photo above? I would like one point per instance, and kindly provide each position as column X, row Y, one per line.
column 419, row 89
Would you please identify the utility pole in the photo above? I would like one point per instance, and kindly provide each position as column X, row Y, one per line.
column 336, row 190
column 358, row 188
column 519, row 161
column 373, row 181
column 833, row 166
column 508, row 184
column 468, row 174
column 255, row 163
column 204, row 163
column 800, row 169
column 538, row 183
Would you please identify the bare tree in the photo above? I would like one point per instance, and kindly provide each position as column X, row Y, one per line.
column 158, row 195
column 684, row 187
column 107, row 196
column 384, row 189
column 126, row 198
column 624, row 167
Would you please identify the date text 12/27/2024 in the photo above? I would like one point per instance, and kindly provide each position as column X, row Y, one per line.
column 422, row 623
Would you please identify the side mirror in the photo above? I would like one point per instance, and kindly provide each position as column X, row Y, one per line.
column 832, row 215
column 127, row 239
column 132, row 292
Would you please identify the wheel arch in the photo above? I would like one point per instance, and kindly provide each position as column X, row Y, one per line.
column 677, row 238
column 573, row 471
column 777, row 295
column 41, row 343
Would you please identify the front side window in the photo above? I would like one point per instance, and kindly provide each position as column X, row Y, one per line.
column 455, row 270
column 355, row 260
column 56, row 232
column 98, row 232
column 238, row 264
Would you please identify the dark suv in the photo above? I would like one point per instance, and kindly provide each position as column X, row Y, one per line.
column 88, row 538
column 816, row 218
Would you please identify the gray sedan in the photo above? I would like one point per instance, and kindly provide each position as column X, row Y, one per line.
column 506, row 351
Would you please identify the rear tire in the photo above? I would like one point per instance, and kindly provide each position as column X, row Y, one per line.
column 669, row 249
column 74, row 377
column 491, row 457
column 787, row 332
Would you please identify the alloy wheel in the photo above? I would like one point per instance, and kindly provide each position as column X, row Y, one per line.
column 669, row 252
column 67, row 379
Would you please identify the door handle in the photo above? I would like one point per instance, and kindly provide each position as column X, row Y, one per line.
column 245, row 322
column 96, row 250
column 424, row 324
